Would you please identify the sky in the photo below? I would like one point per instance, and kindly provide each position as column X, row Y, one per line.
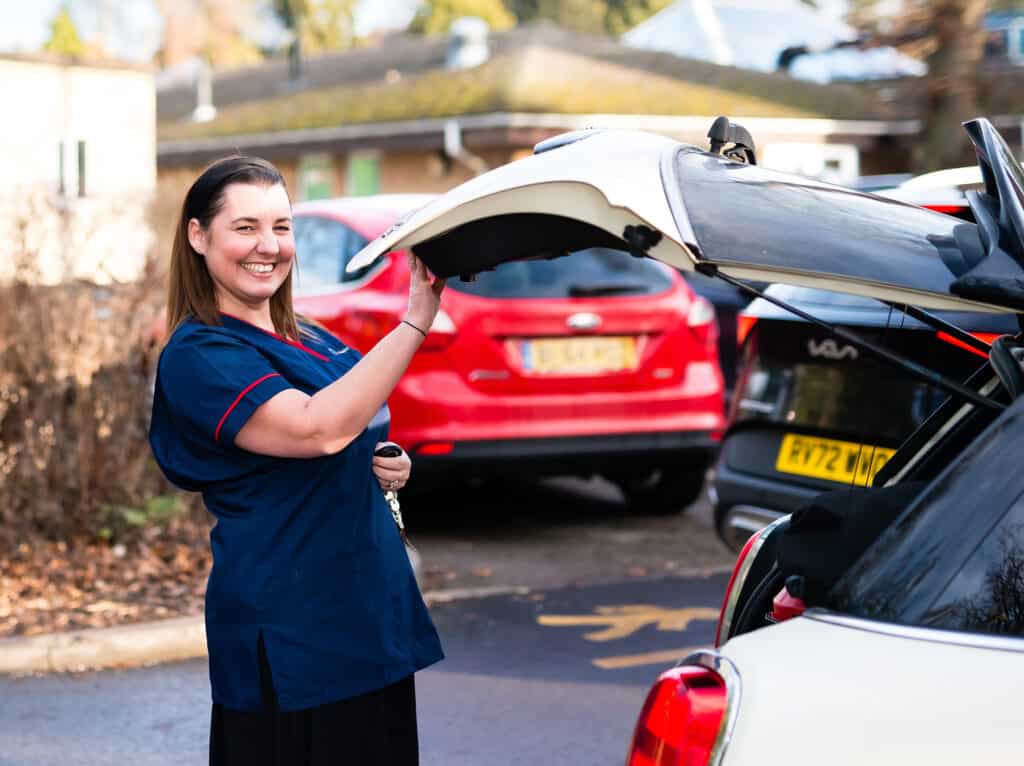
column 25, row 25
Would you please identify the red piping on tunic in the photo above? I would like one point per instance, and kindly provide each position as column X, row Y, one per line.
column 247, row 389
column 289, row 341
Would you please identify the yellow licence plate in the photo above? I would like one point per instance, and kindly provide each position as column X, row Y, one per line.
column 839, row 461
column 578, row 356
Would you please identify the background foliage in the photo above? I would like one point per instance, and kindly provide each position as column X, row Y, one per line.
column 76, row 368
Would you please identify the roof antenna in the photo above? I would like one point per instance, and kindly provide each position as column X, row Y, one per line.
column 732, row 141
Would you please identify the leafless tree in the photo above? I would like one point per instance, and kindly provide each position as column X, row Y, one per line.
column 949, row 36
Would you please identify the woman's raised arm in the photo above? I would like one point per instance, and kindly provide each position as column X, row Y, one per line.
column 293, row 424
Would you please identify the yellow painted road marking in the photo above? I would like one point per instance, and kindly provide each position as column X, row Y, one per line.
column 647, row 658
column 623, row 621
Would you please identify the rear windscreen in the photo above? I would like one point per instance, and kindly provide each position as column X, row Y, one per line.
column 955, row 558
column 801, row 377
column 595, row 272
column 777, row 221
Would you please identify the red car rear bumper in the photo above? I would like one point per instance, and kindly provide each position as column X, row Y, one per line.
column 606, row 453
column 456, row 423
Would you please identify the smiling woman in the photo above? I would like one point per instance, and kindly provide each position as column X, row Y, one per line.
column 248, row 246
column 314, row 621
column 236, row 222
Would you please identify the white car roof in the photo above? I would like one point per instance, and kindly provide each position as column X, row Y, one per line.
column 939, row 179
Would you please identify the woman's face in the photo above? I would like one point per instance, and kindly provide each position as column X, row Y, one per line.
column 249, row 246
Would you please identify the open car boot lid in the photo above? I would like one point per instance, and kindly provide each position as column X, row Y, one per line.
column 685, row 206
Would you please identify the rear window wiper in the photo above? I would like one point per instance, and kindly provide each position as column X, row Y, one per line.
column 593, row 291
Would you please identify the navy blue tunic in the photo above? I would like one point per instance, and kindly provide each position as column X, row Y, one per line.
column 305, row 551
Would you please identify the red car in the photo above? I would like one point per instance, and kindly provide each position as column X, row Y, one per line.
column 596, row 363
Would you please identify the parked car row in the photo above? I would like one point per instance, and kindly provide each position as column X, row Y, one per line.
column 603, row 363
column 880, row 623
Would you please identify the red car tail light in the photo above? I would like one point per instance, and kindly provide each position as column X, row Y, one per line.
column 948, row 209
column 744, row 324
column 739, row 576
column 366, row 326
column 701, row 319
column 984, row 337
column 441, row 333
column 701, row 312
column 681, row 719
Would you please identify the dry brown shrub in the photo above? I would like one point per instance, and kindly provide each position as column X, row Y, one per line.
column 76, row 367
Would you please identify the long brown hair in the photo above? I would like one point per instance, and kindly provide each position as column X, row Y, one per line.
column 191, row 292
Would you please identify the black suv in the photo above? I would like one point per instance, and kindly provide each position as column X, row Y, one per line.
column 812, row 413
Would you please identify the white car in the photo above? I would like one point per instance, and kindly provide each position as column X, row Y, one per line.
column 941, row 190
column 880, row 625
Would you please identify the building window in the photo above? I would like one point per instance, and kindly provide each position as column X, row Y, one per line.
column 1016, row 46
column 316, row 176
column 81, row 168
column 62, row 186
column 363, row 173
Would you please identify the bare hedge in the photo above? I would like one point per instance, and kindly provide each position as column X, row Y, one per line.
column 76, row 365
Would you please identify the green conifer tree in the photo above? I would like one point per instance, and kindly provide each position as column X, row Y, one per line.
column 436, row 16
column 64, row 39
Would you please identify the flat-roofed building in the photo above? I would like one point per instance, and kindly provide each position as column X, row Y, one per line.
column 77, row 170
column 412, row 114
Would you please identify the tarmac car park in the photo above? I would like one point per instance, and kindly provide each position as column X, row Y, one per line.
column 878, row 624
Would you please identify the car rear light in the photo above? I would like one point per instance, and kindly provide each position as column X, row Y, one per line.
column 701, row 318
column 367, row 326
column 744, row 324
column 948, row 209
column 441, row 333
column 680, row 720
column 984, row 337
column 701, row 312
column 739, row 576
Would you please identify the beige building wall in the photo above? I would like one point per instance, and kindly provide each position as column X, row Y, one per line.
column 400, row 172
column 57, row 223
column 431, row 172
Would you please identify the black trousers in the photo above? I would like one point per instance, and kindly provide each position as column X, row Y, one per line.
column 373, row 729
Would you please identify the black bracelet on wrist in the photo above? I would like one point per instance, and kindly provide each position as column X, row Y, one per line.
column 417, row 329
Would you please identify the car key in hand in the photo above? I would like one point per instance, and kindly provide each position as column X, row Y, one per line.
column 390, row 449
